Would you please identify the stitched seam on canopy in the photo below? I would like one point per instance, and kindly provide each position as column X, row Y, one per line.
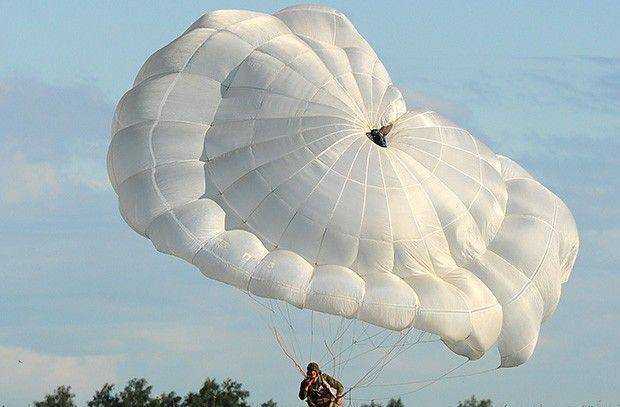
column 306, row 145
column 535, row 217
column 357, row 84
column 479, row 182
column 333, row 210
column 363, row 212
column 371, row 91
column 338, row 296
column 271, row 92
column 442, row 228
column 210, row 31
column 327, row 171
column 456, row 218
column 540, row 263
column 289, row 153
column 428, row 261
column 155, row 123
column 522, row 348
column 232, row 152
column 288, row 64
column 298, row 171
column 389, row 105
column 461, row 131
column 376, row 113
column 310, row 50
column 329, row 47
column 449, row 311
column 387, row 201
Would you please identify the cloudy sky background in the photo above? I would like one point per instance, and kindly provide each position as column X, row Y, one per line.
column 85, row 300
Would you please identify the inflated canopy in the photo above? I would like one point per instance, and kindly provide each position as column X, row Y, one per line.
column 275, row 154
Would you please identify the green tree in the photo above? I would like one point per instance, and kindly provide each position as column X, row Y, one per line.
column 212, row 394
column 104, row 397
column 392, row 403
column 233, row 394
column 395, row 403
column 473, row 402
column 269, row 403
column 168, row 400
column 206, row 396
column 62, row 397
column 137, row 393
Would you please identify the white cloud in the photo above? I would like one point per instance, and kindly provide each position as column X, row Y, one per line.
column 450, row 109
column 40, row 373
column 168, row 338
column 52, row 142
column 22, row 180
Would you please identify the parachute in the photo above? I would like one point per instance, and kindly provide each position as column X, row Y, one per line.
column 274, row 153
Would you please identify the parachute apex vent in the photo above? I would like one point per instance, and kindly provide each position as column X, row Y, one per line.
column 378, row 135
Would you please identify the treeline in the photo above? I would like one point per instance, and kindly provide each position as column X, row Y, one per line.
column 470, row 402
column 228, row 393
column 138, row 393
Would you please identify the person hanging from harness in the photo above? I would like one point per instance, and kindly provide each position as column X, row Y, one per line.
column 320, row 389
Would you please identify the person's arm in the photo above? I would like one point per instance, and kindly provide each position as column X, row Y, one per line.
column 303, row 389
column 334, row 383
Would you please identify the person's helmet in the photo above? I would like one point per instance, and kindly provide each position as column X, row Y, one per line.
column 313, row 366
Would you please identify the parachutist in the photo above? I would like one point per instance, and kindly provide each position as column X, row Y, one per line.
column 320, row 389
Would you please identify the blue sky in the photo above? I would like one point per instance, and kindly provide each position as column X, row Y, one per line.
column 85, row 300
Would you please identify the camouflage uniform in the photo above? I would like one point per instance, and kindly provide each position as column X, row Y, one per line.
column 323, row 392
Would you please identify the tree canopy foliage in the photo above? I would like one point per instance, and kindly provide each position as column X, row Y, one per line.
column 473, row 402
column 228, row 393
column 392, row 403
column 62, row 397
column 138, row 393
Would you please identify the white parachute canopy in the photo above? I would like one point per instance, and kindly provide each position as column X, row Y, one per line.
column 244, row 148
